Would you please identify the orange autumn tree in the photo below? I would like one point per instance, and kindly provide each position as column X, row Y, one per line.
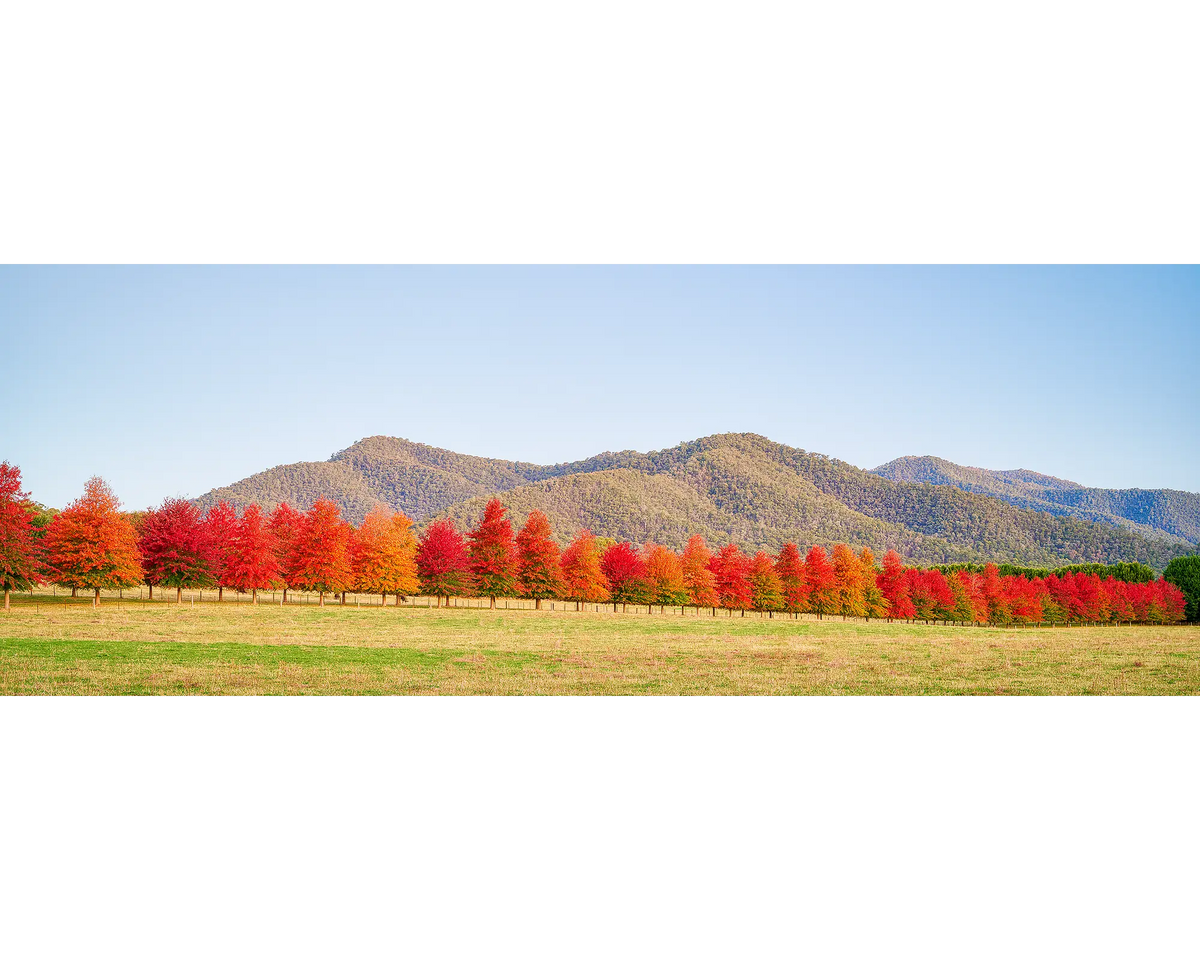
column 92, row 545
column 847, row 572
column 383, row 555
column 873, row 600
column 766, row 588
column 407, row 580
column 539, row 566
column 664, row 572
column 320, row 559
column 700, row 580
column 584, row 580
column 493, row 553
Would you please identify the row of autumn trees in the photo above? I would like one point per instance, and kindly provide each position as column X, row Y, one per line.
column 92, row 545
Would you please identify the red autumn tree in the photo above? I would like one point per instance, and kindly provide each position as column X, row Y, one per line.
column 993, row 592
column 625, row 571
column 894, row 586
column 92, row 545
column 18, row 562
column 320, row 554
column 221, row 523
column 766, row 587
column 790, row 567
column 284, row 525
column 822, row 582
column 176, row 548
column 539, row 565
column 251, row 563
column 493, row 554
column 847, row 572
column 583, row 579
column 731, row 568
column 383, row 555
column 700, row 580
column 664, row 571
column 442, row 562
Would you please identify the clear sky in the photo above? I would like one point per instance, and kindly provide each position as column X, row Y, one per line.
column 168, row 381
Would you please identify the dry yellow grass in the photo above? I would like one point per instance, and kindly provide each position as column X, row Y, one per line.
column 64, row 648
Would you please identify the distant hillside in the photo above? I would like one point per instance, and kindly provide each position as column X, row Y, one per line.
column 1153, row 513
column 730, row 487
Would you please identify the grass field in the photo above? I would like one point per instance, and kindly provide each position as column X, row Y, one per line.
column 60, row 647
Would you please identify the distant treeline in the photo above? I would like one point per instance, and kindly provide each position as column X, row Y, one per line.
column 1125, row 572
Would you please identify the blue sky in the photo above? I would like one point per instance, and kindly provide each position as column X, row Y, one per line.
column 169, row 381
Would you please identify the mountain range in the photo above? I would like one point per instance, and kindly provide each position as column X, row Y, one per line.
column 746, row 489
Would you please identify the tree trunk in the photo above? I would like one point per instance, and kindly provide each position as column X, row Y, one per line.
column 493, row 606
column 6, row 603
column 321, row 601
column 151, row 586
column 179, row 595
column 73, row 592
column 537, row 603
column 220, row 594
column 343, row 598
column 397, row 599
column 254, row 595
column 285, row 594
column 96, row 602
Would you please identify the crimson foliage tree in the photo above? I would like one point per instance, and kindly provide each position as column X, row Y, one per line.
column 320, row 559
column 284, row 525
column 625, row 571
column 442, row 562
column 585, row 581
column 177, row 549
column 493, row 554
column 91, row 544
column 731, row 569
column 539, row 565
column 790, row 567
column 894, row 586
column 18, row 564
column 251, row 563
column 701, row 583
column 822, row 582
column 221, row 524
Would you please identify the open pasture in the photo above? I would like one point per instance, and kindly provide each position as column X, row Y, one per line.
column 58, row 646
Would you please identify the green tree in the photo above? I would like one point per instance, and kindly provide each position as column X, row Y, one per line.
column 1184, row 572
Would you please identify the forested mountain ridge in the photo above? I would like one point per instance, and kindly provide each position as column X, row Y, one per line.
column 1152, row 513
column 738, row 488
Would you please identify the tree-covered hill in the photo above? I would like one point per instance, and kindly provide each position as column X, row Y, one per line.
column 1152, row 513
column 729, row 487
